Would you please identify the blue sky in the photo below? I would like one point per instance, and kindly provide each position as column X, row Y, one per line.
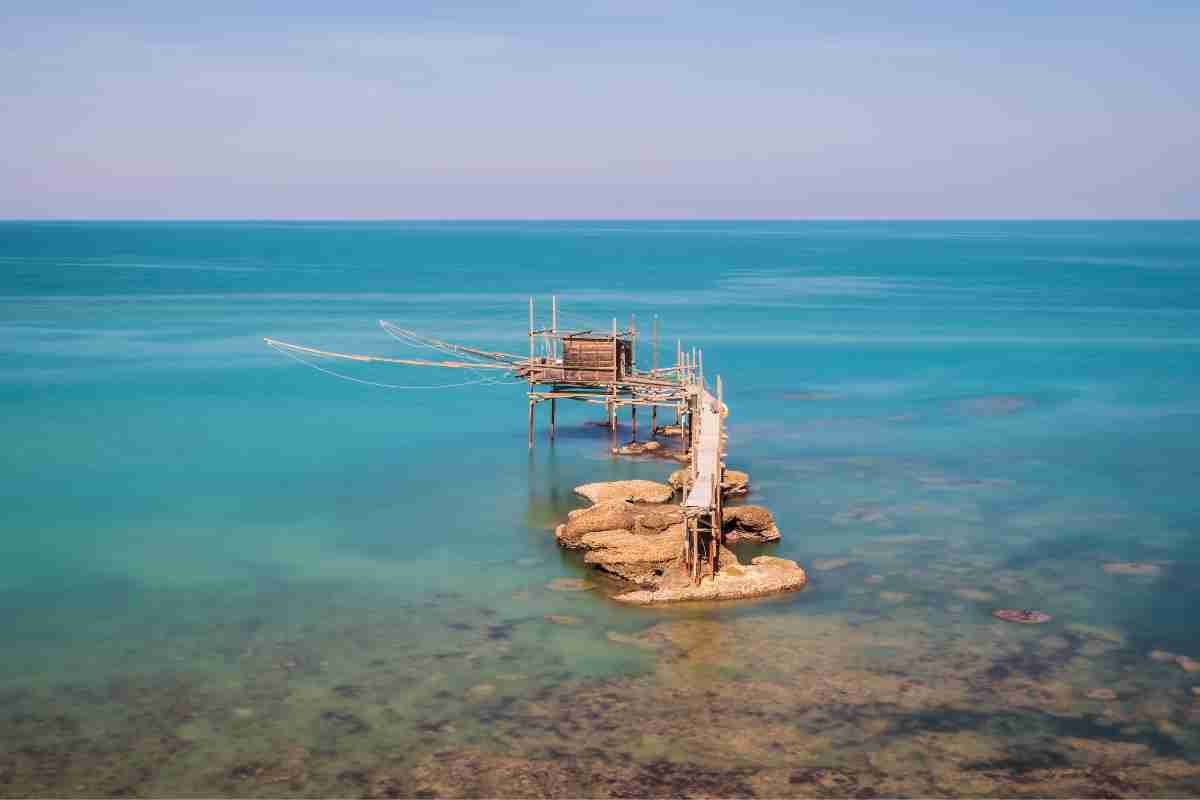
column 617, row 109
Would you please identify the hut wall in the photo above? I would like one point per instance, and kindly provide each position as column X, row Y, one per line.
column 587, row 360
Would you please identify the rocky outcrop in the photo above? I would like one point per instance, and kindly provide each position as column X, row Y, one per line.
column 632, row 535
column 637, row 448
column 749, row 524
column 764, row 575
column 606, row 516
column 735, row 483
column 634, row 491
column 635, row 557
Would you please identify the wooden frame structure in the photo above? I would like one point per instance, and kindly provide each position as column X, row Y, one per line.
column 601, row 368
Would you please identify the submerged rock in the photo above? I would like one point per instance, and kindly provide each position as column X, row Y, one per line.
column 633, row 491
column 1132, row 568
column 831, row 563
column 1023, row 616
column 570, row 585
column 749, row 524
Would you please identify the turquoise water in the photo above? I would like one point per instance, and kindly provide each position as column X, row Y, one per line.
column 224, row 573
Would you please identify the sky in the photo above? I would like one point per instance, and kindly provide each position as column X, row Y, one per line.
column 621, row 109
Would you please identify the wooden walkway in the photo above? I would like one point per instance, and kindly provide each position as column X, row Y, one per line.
column 706, row 452
column 702, row 505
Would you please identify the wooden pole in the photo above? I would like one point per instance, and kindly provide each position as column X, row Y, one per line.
column 554, row 326
column 633, row 341
column 616, row 356
column 531, row 331
column 654, row 371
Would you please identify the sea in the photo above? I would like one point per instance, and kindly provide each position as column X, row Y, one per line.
column 231, row 571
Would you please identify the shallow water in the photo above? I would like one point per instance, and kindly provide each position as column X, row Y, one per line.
column 224, row 573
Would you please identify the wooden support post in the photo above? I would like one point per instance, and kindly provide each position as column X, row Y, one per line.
column 654, row 371
column 531, row 331
column 632, row 342
column 531, row 405
column 633, row 418
column 553, row 417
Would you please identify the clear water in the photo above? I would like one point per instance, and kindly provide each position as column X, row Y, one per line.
column 224, row 573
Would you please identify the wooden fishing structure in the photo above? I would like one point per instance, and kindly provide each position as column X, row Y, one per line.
column 600, row 367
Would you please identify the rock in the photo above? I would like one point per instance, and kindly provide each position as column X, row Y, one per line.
column 749, row 524
column 831, row 563
column 874, row 579
column 632, row 556
column 482, row 690
column 735, row 483
column 1101, row 694
column 1132, row 569
column 1188, row 664
column 653, row 522
column 633, row 491
column 763, row 576
column 678, row 480
column 562, row 619
column 1196, row 691
column 671, row 430
column 606, row 516
column 895, row 597
column 639, row 448
column 1162, row 655
column 974, row 594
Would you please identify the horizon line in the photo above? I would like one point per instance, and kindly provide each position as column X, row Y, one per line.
column 596, row 219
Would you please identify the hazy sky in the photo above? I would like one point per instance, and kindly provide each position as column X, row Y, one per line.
column 613, row 109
